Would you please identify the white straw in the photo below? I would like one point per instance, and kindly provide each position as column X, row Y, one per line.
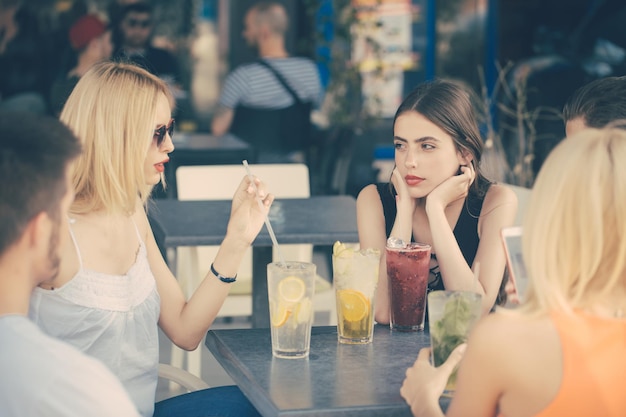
column 267, row 220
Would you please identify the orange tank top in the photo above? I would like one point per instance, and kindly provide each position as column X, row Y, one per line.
column 594, row 367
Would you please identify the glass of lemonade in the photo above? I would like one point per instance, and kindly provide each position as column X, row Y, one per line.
column 290, row 288
column 407, row 276
column 451, row 316
column 355, row 276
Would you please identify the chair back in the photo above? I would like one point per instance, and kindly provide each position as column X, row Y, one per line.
column 523, row 196
column 219, row 182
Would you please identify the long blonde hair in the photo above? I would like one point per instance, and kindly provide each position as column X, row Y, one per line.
column 112, row 111
column 574, row 239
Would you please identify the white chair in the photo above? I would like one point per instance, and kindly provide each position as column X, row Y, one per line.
column 181, row 377
column 219, row 182
column 523, row 195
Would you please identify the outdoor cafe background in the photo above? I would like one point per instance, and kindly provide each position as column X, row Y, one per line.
column 393, row 44
column 492, row 45
column 370, row 54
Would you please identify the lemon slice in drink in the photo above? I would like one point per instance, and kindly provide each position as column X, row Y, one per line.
column 338, row 247
column 280, row 314
column 303, row 310
column 342, row 251
column 354, row 305
column 291, row 289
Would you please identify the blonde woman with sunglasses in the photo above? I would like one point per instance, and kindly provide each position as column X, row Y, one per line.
column 114, row 289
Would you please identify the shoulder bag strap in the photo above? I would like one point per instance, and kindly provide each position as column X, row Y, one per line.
column 281, row 80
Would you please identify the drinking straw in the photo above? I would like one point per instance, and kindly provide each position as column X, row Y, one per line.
column 267, row 220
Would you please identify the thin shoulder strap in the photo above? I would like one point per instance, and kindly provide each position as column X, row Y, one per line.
column 80, row 257
column 137, row 231
column 281, row 80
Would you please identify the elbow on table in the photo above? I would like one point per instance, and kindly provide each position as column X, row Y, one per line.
column 221, row 122
column 381, row 317
column 488, row 303
column 218, row 130
column 187, row 343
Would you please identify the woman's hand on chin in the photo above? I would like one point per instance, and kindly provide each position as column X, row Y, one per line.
column 403, row 198
column 451, row 190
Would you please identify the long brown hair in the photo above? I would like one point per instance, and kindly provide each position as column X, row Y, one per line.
column 449, row 106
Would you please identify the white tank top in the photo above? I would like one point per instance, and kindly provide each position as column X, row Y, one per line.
column 113, row 318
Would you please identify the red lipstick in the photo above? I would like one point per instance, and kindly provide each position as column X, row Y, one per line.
column 161, row 165
column 413, row 180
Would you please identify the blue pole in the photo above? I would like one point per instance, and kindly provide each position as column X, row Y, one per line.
column 491, row 50
column 324, row 25
column 431, row 43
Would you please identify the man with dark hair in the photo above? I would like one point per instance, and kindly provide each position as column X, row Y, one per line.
column 268, row 103
column 135, row 26
column 41, row 376
column 596, row 104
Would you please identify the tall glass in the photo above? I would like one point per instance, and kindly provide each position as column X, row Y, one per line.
column 407, row 275
column 290, row 288
column 451, row 315
column 355, row 277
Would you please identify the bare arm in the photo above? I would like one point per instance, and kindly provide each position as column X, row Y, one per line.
column 186, row 322
column 222, row 119
column 424, row 383
column 499, row 209
column 405, row 205
column 484, row 371
column 513, row 365
column 371, row 226
column 372, row 233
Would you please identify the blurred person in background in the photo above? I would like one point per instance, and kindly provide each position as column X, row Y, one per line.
column 256, row 105
column 24, row 59
column 90, row 39
column 135, row 23
column 596, row 104
column 114, row 11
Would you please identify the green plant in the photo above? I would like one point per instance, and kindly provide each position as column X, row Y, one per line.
column 344, row 112
column 344, row 106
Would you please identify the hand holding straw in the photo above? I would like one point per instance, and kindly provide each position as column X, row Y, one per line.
column 267, row 220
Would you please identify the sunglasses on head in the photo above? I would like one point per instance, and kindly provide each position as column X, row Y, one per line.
column 159, row 132
column 143, row 23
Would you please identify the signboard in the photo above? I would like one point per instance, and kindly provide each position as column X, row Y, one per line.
column 389, row 41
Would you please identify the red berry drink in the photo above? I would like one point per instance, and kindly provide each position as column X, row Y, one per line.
column 407, row 275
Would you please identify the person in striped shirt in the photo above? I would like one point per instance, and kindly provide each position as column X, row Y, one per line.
column 255, row 105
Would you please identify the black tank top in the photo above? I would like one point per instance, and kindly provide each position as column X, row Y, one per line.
column 465, row 231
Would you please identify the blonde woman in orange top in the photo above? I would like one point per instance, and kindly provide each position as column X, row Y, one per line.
column 563, row 352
